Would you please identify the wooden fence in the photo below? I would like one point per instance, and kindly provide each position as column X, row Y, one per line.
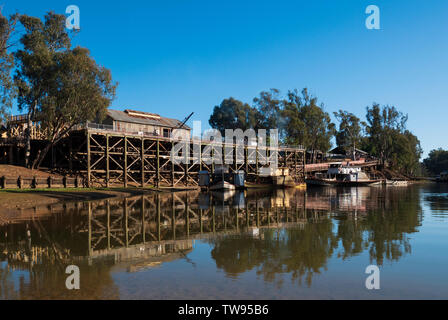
column 41, row 183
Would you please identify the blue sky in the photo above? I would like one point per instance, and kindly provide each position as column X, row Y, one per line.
column 177, row 57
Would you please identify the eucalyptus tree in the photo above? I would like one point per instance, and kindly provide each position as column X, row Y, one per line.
column 7, row 89
column 269, row 105
column 437, row 161
column 349, row 135
column 58, row 85
column 306, row 123
column 234, row 114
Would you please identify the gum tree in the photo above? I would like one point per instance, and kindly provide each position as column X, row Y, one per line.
column 7, row 90
column 60, row 87
column 349, row 134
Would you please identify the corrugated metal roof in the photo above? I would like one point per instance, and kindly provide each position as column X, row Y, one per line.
column 162, row 122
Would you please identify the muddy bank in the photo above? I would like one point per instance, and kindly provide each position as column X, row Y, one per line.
column 14, row 203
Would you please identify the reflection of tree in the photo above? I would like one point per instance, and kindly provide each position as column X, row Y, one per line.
column 383, row 230
column 47, row 281
column 34, row 267
column 301, row 252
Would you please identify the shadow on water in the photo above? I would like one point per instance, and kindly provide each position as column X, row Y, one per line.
column 274, row 232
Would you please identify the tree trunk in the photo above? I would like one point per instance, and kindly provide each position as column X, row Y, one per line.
column 28, row 135
column 41, row 155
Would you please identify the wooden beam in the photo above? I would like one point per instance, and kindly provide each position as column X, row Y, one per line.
column 142, row 155
column 125, row 160
column 158, row 163
column 107, row 161
column 89, row 159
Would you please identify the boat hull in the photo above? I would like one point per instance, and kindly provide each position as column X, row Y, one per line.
column 328, row 182
column 222, row 185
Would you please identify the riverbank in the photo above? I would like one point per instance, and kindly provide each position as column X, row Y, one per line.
column 17, row 199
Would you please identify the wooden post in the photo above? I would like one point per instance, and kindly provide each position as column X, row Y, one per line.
column 158, row 218
column 186, row 174
column 172, row 166
column 143, row 220
column 256, row 163
column 157, row 163
column 89, row 159
column 142, row 155
column 107, row 162
column 223, row 162
column 246, row 159
column 173, row 214
column 34, row 182
column 187, row 217
column 213, row 155
column 125, row 166
column 296, row 172
column 200, row 155
column 3, row 182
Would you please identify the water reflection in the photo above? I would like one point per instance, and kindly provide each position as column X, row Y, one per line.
column 274, row 232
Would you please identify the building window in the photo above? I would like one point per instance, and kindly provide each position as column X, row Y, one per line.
column 166, row 132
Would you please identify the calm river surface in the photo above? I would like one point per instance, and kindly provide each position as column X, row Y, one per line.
column 284, row 244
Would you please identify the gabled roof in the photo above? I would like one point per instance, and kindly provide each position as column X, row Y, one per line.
column 140, row 117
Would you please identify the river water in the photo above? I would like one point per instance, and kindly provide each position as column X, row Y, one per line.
column 265, row 244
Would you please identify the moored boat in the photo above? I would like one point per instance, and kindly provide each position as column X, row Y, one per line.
column 222, row 185
column 338, row 175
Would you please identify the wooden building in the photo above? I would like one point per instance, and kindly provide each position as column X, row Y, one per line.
column 142, row 123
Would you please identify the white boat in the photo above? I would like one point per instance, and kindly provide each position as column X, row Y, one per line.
column 339, row 175
column 222, row 185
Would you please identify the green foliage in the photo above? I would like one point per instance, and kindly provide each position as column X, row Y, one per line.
column 306, row 123
column 299, row 119
column 388, row 139
column 349, row 134
column 234, row 114
column 437, row 161
column 269, row 105
column 7, row 89
column 302, row 121
column 58, row 86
